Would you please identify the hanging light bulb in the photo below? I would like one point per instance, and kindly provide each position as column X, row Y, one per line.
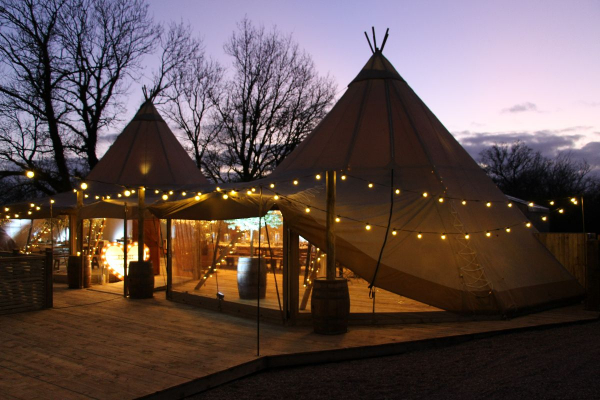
column 531, row 204
column 337, row 219
column 295, row 182
column 443, row 236
column 225, row 196
column 464, row 202
column 107, row 197
column 488, row 204
column 394, row 232
column 528, row 224
column 165, row 196
column 441, row 199
column 197, row 198
column 253, row 190
column 218, row 189
column 467, row 236
column 276, row 197
column 425, row 194
column 419, row 235
column 272, row 185
column 551, row 202
column 507, row 230
column 488, row 234
column 318, row 176
column 544, row 218
column 170, row 193
column 560, row 210
column 30, row 174
column 84, row 186
column 370, row 185
column 368, row 227
column 509, row 205
column 97, row 197
column 343, row 177
column 397, row 191
column 119, row 195
column 307, row 210
column 128, row 193
column 184, row 194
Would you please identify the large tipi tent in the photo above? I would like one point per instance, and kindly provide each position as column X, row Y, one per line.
column 462, row 247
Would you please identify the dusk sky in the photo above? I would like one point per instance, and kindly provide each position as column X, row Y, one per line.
column 490, row 70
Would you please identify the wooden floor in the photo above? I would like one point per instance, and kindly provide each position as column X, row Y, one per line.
column 226, row 283
column 100, row 345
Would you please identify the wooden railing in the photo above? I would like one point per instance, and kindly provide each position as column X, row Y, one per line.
column 25, row 282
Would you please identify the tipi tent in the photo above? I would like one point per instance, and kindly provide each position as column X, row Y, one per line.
column 454, row 241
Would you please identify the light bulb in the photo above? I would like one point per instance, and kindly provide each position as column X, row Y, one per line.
column 464, row 202
column 441, row 199
column 156, row 191
column 509, row 205
column 295, row 181
column 128, row 193
column 544, row 218
column 551, row 202
column 249, row 192
column 528, row 224
column 272, row 185
column 467, row 236
column 318, row 176
column 276, row 197
column 531, row 204
column 368, row 227
column 561, row 211
column 337, row 219
column 165, row 196
column 170, row 192
column 397, row 191
column 425, row 194
column 30, row 174
column 84, row 186
column 507, row 230
column 488, row 204
column 225, row 196
column 184, row 194
column 488, row 234
column 197, row 198
column 394, row 232
column 443, row 236
column 343, row 177
column 419, row 235
column 307, row 209
column 370, row 185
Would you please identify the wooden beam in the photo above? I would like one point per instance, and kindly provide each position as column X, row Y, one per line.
column 141, row 209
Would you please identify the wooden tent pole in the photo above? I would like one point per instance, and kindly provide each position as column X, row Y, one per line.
column 169, row 260
column 125, row 279
column 330, row 224
column 141, row 209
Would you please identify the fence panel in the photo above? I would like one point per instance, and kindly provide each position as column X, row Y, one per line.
column 25, row 283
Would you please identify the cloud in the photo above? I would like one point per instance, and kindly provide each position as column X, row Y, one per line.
column 548, row 142
column 523, row 107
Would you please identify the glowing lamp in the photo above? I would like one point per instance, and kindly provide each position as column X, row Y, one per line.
column 127, row 193
column 295, row 181
column 467, row 236
column 441, row 199
column 394, row 232
column 419, row 235
column 30, row 174
column 197, row 198
column 443, row 236
column 337, row 219
column 272, row 185
column 165, row 196
column 275, row 197
column 307, row 209
column 531, row 204
column 561, row 211
column 343, row 177
column 368, row 227
column 528, row 224
column 488, row 204
column 488, row 234
column 318, row 176
column 397, row 191
column 552, row 202
column 507, row 230
column 509, row 205
column 464, row 202
column 370, row 185
column 84, row 186
column 184, row 194
column 225, row 197
column 425, row 194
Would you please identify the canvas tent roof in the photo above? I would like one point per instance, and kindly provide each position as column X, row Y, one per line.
column 381, row 133
column 146, row 153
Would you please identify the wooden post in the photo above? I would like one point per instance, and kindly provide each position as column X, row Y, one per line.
column 592, row 281
column 291, row 273
column 80, row 235
column 169, row 260
column 141, row 209
column 48, row 273
column 125, row 278
column 330, row 224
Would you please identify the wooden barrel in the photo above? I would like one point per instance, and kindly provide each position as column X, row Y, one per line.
column 74, row 271
column 330, row 306
column 141, row 280
column 248, row 278
column 87, row 272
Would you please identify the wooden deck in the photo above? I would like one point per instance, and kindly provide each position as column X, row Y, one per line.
column 99, row 345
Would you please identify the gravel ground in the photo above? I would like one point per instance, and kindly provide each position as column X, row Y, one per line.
column 555, row 363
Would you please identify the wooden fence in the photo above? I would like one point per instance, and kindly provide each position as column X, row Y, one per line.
column 25, row 282
column 579, row 254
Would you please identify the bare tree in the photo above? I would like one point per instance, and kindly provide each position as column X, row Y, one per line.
column 273, row 100
column 520, row 171
column 104, row 42
column 188, row 101
column 65, row 67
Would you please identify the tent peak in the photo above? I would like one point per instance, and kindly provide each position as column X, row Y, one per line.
column 374, row 48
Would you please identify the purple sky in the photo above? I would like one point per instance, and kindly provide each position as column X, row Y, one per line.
column 490, row 70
